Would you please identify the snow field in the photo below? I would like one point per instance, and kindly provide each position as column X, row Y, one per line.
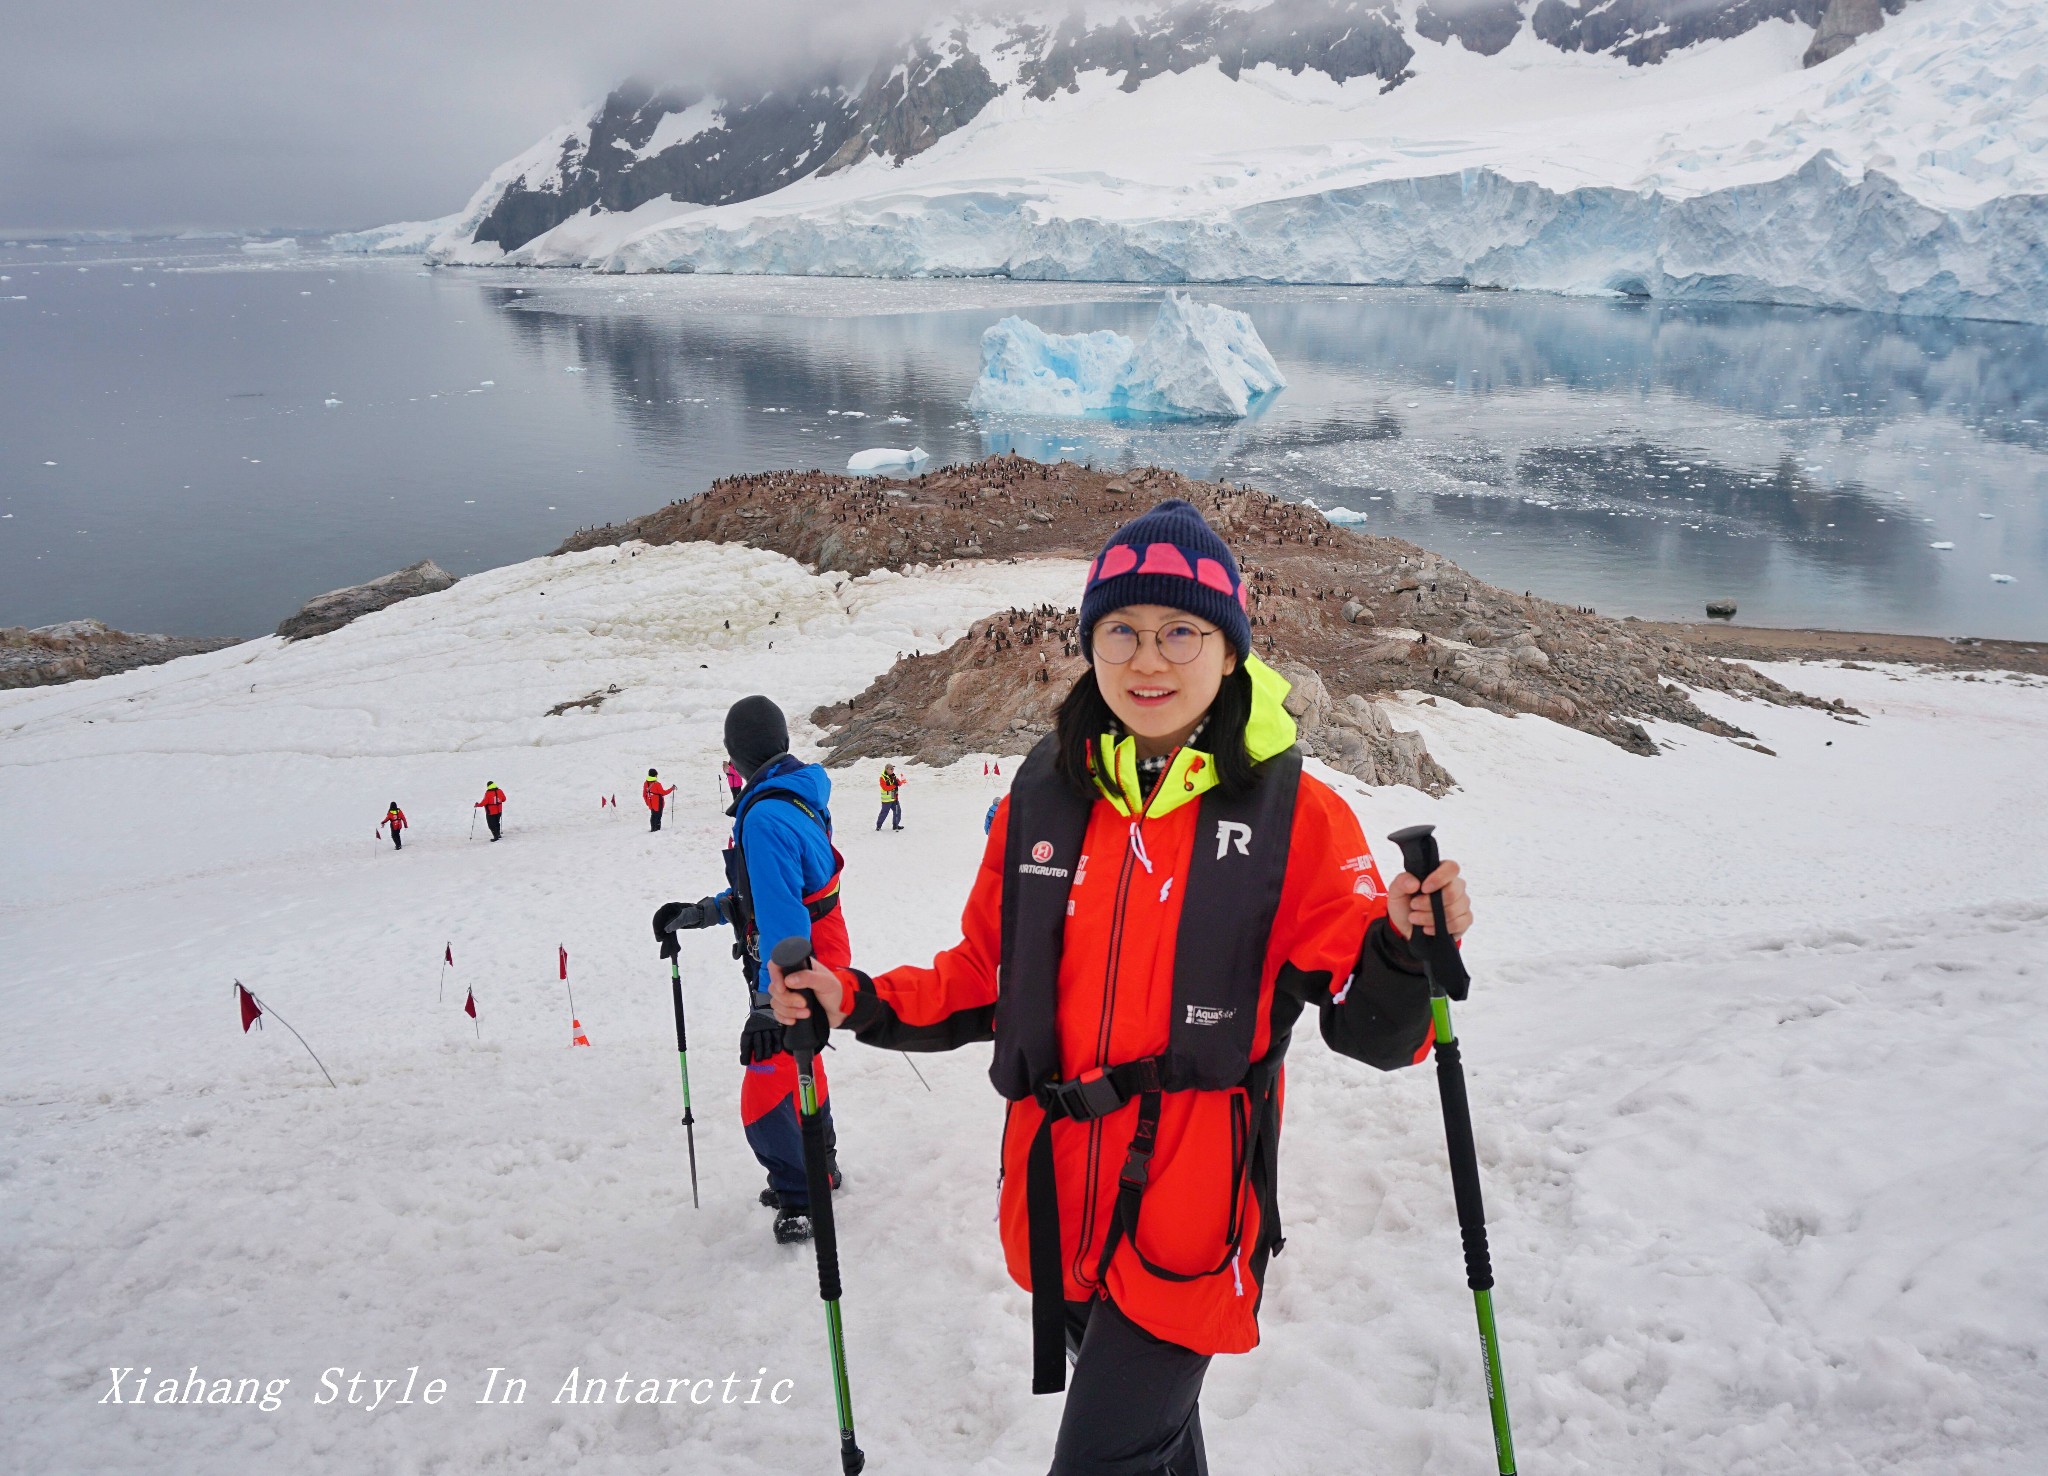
column 1750, row 1048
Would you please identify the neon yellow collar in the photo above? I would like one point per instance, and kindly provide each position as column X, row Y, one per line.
column 1191, row 772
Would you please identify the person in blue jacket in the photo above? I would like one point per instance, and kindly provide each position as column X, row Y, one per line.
column 783, row 873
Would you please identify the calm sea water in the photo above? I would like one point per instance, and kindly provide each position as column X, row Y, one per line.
column 196, row 440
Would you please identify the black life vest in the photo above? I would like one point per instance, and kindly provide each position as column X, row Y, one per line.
column 1228, row 903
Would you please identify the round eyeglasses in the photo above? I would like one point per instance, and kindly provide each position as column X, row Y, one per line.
column 1179, row 641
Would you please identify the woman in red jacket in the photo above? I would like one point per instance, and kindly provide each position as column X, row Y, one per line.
column 1163, row 892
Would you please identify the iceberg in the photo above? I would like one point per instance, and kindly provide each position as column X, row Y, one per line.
column 1200, row 362
column 885, row 456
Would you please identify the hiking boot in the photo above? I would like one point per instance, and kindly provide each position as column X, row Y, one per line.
column 792, row 1227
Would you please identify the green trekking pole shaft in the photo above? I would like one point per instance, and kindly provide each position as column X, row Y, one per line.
column 1448, row 980
column 805, row 1039
column 675, row 984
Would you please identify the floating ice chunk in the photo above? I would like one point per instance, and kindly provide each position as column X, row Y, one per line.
column 897, row 420
column 573, row 369
column 1943, row 544
column 330, row 401
column 1987, row 516
column 854, row 414
column 1995, row 579
column 1343, row 515
column 881, row 456
column 486, row 383
column 1200, row 361
column 283, row 246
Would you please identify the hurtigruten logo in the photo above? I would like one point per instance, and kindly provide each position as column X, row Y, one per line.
column 1040, row 854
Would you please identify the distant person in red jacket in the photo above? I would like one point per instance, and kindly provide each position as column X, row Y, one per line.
column 492, row 804
column 656, row 797
column 395, row 818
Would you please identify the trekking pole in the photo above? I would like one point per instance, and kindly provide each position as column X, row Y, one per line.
column 805, row 1039
column 675, row 985
column 472, row 822
column 1448, row 981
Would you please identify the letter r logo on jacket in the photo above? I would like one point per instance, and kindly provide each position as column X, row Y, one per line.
column 1233, row 832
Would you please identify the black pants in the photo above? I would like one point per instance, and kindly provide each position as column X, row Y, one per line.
column 892, row 807
column 492, row 821
column 396, row 843
column 654, row 818
column 1132, row 1400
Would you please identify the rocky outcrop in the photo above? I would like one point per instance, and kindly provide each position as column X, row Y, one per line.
column 999, row 687
column 1484, row 26
column 1369, row 616
column 333, row 610
column 79, row 649
column 1840, row 26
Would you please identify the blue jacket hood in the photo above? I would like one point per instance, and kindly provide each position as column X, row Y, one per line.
column 808, row 782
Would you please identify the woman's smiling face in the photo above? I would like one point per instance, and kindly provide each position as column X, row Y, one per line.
column 1159, row 700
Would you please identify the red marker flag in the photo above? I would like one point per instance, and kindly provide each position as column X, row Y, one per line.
column 448, row 954
column 469, row 1005
column 251, row 1011
column 564, row 960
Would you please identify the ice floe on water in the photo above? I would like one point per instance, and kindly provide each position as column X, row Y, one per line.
column 1200, row 361
column 886, row 456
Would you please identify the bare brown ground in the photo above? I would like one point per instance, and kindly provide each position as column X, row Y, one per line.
column 1349, row 617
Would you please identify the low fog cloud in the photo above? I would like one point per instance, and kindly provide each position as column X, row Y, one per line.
column 239, row 113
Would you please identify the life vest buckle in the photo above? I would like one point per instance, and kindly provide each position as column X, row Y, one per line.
column 1137, row 1168
column 1088, row 1096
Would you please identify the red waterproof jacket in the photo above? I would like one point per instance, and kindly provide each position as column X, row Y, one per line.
column 395, row 818
column 492, row 802
column 1329, row 939
column 652, row 792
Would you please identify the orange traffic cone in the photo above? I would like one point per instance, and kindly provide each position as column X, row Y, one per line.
column 576, row 1035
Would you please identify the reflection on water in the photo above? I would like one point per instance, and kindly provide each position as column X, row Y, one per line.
column 1636, row 457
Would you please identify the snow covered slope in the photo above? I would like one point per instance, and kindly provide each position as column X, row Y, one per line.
column 1754, row 1047
column 1909, row 173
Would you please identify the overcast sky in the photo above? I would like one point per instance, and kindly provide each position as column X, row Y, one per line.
column 341, row 112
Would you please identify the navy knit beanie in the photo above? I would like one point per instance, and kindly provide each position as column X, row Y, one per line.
column 1170, row 556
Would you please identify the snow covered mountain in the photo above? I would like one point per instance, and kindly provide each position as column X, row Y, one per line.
column 1806, row 151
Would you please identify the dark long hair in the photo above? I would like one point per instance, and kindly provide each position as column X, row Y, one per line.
column 1085, row 716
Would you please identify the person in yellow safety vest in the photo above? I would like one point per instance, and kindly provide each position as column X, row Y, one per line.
column 656, row 795
column 892, row 804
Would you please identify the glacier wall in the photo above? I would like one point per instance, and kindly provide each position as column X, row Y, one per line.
column 1819, row 237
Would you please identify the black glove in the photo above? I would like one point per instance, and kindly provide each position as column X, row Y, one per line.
column 673, row 917
column 761, row 1036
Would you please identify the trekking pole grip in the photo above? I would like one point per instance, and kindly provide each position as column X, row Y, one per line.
column 807, row 1037
column 1439, row 950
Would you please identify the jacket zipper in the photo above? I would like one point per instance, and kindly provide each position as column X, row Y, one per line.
column 1133, row 848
